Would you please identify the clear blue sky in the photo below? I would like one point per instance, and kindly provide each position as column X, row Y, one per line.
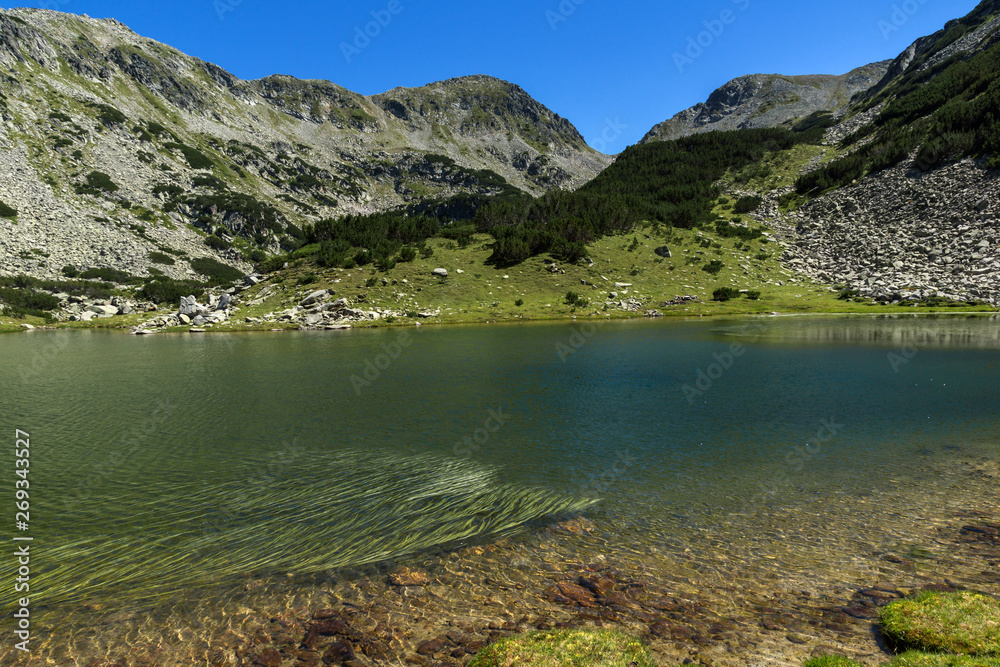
column 599, row 63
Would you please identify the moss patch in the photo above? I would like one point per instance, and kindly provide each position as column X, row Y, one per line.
column 911, row 659
column 569, row 648
column 962, row 622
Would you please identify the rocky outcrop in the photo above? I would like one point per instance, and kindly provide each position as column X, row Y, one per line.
column 968, row 34
column 768, row 100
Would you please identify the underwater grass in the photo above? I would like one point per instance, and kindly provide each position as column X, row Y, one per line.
column 333, row 511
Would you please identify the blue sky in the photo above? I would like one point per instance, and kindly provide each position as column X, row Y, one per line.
column 613, row 68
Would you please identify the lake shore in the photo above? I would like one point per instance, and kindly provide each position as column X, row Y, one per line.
column 768, row 593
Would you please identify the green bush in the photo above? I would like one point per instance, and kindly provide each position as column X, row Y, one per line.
column 168, row 189
column 257, row 256
column 216, row 243
column 407, row 254
column 713, row 267
column 754, row 295
column 28, row 299
column 109, row 275
column 161, row 258
column 747, row 204
column 6, row 211
column 728, row 230
column 334, row 254
column 70, row 271
column 99, row 181
column 273, row 264
column 519, row 303
column 109, row 115
column 576, row 300
column 216, row 272
column 725, row 294
column 195, row 158
column 169, row 291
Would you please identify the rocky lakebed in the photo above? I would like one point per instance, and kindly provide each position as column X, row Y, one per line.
column 771, row 586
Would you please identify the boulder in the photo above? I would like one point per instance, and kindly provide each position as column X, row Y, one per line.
column 224, row 302
column 442, row 273
column 664, row 252
column 315, row 297
column 189, row 306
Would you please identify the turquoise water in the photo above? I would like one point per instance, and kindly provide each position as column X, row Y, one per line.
column 164, row 465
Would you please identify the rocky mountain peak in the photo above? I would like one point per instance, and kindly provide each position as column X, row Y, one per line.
column 769, row 100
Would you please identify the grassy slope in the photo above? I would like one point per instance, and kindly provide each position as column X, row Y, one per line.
column 471, row 295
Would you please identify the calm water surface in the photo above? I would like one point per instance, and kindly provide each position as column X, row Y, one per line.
column 165, row 465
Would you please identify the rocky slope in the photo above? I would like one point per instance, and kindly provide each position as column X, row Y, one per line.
column 768, row 100
column 118, row 147
column 906, row 233
column 901, row 236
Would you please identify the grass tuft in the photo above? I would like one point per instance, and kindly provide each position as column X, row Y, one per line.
column 566, row 648
column 963, row 622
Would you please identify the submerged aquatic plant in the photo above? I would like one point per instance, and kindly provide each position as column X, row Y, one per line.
column 331, row 511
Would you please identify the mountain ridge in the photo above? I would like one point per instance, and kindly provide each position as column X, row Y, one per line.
column 81, row 96
column 757, row 101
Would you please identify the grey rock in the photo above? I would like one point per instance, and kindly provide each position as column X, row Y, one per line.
column 664, row 252
column 315, row 297
column 189, row 306
column 443, row 273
